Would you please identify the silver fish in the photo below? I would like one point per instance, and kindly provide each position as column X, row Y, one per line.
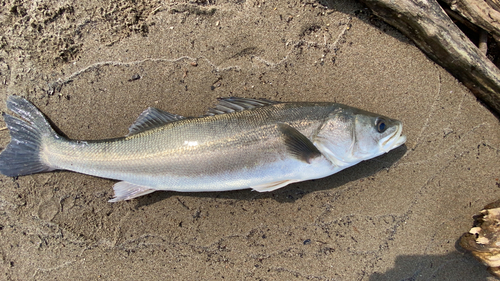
column 241, row 143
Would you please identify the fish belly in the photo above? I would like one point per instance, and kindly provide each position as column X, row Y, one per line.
column 289, row 170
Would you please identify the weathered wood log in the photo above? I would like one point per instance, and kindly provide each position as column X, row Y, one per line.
column 426, row 23
column 483, row 238
column 485, row 14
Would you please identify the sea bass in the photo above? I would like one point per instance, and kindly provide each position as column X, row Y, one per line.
column 240, row 143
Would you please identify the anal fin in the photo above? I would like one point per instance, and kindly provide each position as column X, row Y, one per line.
column 267, row 187
column 126, row 191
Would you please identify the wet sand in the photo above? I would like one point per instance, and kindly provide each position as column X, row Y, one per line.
column 92, row 68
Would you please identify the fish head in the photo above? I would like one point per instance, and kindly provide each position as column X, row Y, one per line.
column 349, row 136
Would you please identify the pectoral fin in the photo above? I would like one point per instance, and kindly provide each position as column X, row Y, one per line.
column 272, row 185
column 297, row 144
column 126, row 191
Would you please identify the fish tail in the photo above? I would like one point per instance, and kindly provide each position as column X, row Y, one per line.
column 22, row 156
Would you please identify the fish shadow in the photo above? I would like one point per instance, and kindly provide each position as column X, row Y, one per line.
column 296, row 191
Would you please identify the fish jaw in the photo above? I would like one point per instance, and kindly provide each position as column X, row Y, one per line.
column 393, row 141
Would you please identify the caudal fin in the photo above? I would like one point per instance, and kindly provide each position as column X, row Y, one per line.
column 22, row 155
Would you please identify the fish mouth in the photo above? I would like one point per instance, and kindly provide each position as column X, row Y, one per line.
column 394, row 140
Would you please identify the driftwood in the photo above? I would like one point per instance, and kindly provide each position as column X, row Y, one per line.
column 485, row 14
column 483, row 239
column 427, row 24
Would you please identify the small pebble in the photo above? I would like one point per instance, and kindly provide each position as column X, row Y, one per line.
column 135, row 77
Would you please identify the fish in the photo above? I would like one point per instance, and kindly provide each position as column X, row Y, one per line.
column 240, row 143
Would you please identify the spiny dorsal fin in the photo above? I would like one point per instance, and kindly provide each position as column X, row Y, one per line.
column 152, row 118
column 297, row 144
column 232, row 104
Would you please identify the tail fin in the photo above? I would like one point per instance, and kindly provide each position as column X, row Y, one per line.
column 22, row 155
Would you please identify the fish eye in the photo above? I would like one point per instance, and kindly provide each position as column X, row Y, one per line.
column 381, row 126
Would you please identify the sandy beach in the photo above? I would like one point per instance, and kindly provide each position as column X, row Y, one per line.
column 93, row 67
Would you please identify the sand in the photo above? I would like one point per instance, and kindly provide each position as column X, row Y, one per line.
column 92, row 68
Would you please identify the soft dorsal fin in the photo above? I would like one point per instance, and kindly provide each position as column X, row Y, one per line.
column 297, row 144
column 152, row 118
column 232, row 104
